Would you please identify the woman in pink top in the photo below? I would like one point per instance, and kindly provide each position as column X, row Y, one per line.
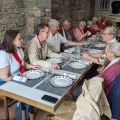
column 78, row 33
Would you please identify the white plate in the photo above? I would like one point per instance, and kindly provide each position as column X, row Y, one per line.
column 77, row 65
column 61, row 81
column 33, row 74
column 54, row 60
column 92, row 51
column 100, row 45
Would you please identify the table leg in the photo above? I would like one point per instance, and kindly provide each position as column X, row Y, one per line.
column 23, row 111
column 32, row 117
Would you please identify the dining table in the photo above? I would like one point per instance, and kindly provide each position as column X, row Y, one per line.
column 32, row 91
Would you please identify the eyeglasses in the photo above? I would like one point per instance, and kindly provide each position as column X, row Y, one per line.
column 66, row 25
column 105, row 33
column 45, row 32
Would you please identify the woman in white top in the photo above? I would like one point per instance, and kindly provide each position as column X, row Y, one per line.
column 11, row 56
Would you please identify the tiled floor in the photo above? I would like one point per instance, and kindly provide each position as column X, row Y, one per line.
column 39, row 115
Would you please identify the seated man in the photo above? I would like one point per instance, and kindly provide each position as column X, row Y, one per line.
column 66, row 33
column 37, row 49
column 55, row 39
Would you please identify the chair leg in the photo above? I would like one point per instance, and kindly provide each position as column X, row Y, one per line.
column 23, row 114
column 32, row 117
column 6, row 108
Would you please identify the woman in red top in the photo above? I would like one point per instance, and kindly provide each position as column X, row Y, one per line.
column 90, row 29
column 100, row 24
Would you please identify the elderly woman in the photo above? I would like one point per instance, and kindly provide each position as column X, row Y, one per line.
column 94, row 20
column 11, row 62
column 90, row 29
column 112, row 68
column 78, row 33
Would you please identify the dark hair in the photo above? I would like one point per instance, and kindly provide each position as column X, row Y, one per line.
column 40, row 27
column 9, row 37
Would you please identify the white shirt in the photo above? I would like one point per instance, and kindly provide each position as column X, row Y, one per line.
column 113, row 40
column 54, row 42
column 8, row 60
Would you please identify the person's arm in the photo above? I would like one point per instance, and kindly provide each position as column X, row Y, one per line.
column 5, row 74
column 99, row 54
column 93, row 59
column 29, row 66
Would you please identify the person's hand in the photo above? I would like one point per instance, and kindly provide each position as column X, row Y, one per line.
column 65, row 56
column 55, row 66
column 35, row 67
column 85, row 55
column 81, row 43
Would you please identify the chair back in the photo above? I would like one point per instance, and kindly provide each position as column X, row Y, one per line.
column 114, row 98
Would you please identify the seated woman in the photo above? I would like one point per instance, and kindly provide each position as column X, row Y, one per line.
column 90, row 29
column 99, row 23
column 78, row 33
column 94, row 20
column 109, row 72
column 112, row 69
column 11, row 54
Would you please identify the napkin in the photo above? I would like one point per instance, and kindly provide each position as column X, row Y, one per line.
column 89, row 33
column 71, row 76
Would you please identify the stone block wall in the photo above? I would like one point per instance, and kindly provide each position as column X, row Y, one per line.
column 12, row 16
column 23, row 15
column 76, row 10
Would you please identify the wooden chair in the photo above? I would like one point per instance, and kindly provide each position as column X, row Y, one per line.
column 6, row 105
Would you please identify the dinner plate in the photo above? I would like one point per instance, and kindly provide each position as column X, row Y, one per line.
column 55, row 60
column 93, row 51
column 77, row 65
column 33, row 74
column 61, row 81
column 100, row 45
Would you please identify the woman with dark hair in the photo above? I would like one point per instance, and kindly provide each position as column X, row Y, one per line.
column 11, row 54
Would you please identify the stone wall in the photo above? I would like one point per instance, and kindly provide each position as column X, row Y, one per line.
column 36, row 11
column 76, row 10
column 23, row 15
column 12, row 16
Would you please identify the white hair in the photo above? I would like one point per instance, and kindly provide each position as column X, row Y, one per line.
column 89, row 22
column 53, row 22
column 112, row 31
column 115, row 47
column 95, row 18
column 82, row 23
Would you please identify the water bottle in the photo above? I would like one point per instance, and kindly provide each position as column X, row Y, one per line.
column 77, row 51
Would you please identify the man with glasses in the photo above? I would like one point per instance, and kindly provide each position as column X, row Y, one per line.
column 37, row 49
column 66, row 33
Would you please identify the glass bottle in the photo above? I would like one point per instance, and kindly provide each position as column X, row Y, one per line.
column 77, row 51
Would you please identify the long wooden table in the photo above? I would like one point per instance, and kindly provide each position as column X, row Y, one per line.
column 32, row 91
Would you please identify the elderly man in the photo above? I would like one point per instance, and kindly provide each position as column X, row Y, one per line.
column 55, row 39
column 108, row 36
column 66, row 33
column 37, row 49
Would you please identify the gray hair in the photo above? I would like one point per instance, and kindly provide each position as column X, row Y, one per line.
column 95, row 18
column 82, row 23
column 89, row 22
column 112, row 31
column 53, row 22
column 115, row 47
